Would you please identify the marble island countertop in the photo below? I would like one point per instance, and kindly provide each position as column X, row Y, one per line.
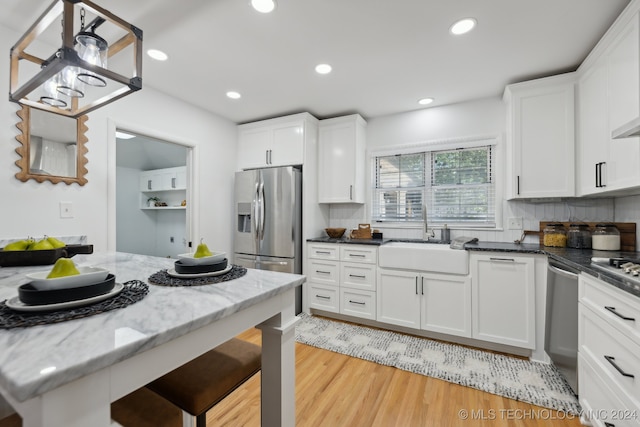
column 40, row 358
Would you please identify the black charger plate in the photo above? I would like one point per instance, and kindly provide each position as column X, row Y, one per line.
column 32, row 296
column 201, row 268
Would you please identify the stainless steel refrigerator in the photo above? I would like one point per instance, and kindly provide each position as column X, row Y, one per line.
column 268, row 214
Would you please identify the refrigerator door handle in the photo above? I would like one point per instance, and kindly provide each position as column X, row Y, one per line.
column 255, row 218
column 261, row 199
column 272, row 262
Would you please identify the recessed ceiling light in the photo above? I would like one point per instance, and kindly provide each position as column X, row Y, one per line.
column 463, row 26
column 323, row 68
column 233, row 95
column 263, row 6
column 158, row 55
column 124, row 135
column 425, row 101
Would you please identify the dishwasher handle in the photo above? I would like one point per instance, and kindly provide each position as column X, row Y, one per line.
column 562, row 272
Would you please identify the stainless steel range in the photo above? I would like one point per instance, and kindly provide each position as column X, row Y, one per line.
column 623, row 268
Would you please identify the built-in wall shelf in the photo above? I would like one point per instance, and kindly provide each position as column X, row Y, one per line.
column 167, row 185
column 164, row 208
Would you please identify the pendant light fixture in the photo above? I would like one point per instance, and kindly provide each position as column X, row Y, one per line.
column 75, row 79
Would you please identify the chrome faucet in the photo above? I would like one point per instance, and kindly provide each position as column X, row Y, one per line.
column 426, row 235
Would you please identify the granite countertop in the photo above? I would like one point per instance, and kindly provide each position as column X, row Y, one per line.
column 577, row 258
column 82, row 346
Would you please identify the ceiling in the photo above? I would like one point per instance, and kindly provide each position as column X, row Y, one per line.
column 385, row 54
column 145, row 153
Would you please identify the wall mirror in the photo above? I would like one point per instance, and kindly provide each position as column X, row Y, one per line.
column 52, row 147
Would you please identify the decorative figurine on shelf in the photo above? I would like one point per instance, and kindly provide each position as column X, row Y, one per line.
column 152, row 201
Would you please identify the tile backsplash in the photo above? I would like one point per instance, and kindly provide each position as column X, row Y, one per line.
column 579, row 210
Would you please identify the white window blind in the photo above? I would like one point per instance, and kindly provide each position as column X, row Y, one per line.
column 457, row 187
column 399, row 187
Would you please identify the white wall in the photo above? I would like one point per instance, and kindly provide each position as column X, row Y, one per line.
column 33, row 209
column 485, row 117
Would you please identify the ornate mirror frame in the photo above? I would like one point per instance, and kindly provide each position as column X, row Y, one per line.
column 24, row 151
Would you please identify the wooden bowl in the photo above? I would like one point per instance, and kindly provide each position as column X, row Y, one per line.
column 335, row 233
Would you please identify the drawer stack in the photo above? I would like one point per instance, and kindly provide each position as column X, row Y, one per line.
column 609, row 354
column 342, row 278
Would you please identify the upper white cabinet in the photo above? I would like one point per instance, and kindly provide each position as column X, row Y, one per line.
column 274, row 142
column 503, row 298
column 164, row 179
column 341, row 160
column 608, row 99
column 168, row 185
column 540, row 137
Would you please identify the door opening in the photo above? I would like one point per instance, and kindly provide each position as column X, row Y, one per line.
column 152, row 195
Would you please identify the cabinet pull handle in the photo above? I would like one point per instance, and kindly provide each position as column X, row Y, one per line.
column 266, row 157
column 422, row 285
column 611, row 359
column 357, row 255
column 502, row 259
column 518, row 185
column 323, row 272
column 357, row 302
column 148, row 184
column 351, row 192
column 597, row 180
column 173, row 183
column 323, row 297
column 623, row 317
column 416, row 285
column 323, row 253
column 601, row 184
column 358, row 276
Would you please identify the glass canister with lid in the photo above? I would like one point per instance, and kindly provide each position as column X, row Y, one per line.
column 606, row 237
column 555, row 235
column 579, row 236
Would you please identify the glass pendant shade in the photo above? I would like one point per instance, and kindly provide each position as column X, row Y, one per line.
column 51, row 95
column 93, row 49
column 70, row 85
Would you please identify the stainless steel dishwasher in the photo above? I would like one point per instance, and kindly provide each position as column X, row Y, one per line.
column 561, row 325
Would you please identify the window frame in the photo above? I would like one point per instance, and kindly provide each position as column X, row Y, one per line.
column 442, row 145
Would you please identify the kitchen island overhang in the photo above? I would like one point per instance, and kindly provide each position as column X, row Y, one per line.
column 90, row 362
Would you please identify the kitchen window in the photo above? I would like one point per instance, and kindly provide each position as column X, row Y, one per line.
column 457, row 186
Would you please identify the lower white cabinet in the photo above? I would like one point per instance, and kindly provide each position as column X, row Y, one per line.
column 503, row 298
column 433, row 302
column 608, row 353
column 342, row 278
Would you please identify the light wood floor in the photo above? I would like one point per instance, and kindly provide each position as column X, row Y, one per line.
column 337, row 390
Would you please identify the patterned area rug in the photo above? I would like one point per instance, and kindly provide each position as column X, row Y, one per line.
column 532, row 382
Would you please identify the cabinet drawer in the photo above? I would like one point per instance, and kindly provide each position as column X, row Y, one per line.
column 615, row 354
column 358, row 303
column 323, row 297
column 358, row 276
column 325, row 272
column 600, row 404
column 618, row 307
column 359, row 253
column 320, row 251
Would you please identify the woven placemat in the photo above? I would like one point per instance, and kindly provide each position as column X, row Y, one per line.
column 163, row 278
column 132, row 292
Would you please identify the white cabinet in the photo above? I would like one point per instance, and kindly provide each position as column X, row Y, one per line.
column 592, row 128
column 274, row 142
column 342, row 279
column 608, row 352
column 164, row 179
column 169, row 185
column 540, row 137
column 341, row 160
column 503, row 298
column 608, row 98
column 428, row 301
